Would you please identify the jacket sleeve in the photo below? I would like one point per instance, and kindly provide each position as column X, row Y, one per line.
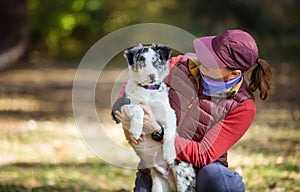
column 172, row 62
column 219, row 139
column 121, row 100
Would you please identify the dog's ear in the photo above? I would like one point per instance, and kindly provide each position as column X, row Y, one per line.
column 153, row 46
column 129, row 56
column 140, row 45
column 163, row 51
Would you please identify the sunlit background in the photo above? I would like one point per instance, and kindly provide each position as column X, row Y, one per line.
column 42, row 44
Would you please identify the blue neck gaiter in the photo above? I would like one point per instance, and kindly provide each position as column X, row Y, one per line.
column 212, row 87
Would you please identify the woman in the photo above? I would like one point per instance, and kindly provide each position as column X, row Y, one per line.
column 214, row 106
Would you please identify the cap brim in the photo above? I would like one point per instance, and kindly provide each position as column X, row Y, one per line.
column 206, row 54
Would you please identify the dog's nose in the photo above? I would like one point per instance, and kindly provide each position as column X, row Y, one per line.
column 152, row 77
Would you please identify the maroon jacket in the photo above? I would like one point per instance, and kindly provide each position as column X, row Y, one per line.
column 206, row 121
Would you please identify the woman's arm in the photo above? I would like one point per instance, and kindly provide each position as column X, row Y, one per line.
column 219, row 139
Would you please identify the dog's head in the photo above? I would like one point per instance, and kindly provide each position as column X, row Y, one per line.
column 148, row 64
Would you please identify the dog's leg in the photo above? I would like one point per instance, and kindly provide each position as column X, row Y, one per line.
column 159, row 184
column 165, row 115
column 136, row 114
column 169, row 153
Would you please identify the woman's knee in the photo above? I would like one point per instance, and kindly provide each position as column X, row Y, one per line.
column 216, row 177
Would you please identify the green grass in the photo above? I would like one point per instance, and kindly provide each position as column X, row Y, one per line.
column 56, row 159
column 268, row 158
column 92, row 175
column 53, row 157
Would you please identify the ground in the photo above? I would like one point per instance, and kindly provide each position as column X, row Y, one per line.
column 41, row 148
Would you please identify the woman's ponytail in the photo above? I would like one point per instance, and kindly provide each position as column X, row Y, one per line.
column 261, row 77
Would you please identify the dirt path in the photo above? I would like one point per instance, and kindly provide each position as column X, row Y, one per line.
column 46, row 94
column 37, row 95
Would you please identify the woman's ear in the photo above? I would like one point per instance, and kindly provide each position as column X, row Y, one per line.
column 234, row 73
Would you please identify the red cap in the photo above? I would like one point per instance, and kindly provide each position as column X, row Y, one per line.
column 234, row 49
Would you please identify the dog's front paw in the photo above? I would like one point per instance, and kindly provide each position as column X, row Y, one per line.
column 135, row 135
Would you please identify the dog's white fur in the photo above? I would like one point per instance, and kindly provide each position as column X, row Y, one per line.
column 148, row 66
column 156, row 156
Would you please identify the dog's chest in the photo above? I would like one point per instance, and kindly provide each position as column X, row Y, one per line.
column 138, row 94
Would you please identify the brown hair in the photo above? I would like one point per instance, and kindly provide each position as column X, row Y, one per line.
column 261, row 77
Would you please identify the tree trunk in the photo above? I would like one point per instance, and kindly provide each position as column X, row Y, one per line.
column 14, row 31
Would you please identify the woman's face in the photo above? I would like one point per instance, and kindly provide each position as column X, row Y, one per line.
column 221, row 74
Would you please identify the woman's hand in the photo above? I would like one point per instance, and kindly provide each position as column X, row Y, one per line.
column 125, row 120
column 150, row 124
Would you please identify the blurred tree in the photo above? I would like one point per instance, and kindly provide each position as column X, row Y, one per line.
column 274, row 23
column 13, row 31
column 66, row 29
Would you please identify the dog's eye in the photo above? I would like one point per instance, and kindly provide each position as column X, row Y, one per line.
column 158, row 56
column 155, row 57
column 141, row 58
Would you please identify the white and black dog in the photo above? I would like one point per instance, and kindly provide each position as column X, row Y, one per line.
column 148, row 66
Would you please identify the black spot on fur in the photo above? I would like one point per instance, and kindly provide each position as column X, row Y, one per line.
column 163, row 51
column 145, row 49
